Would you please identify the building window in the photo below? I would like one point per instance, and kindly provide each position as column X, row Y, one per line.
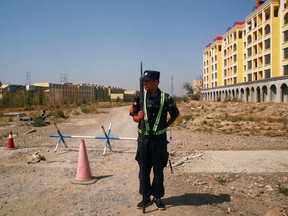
column 267, row 15
column 249, row 51
column 235, row 47
column 249, row 39
column 267, row 59
column 235, row 69
column 285, row 69
column 249, row 77
column 249, row 65
column 276, row 11
column 267, row 29
column 267, row 74
column 255, row 36
column 286, row 36
column 255, row 76
column 235, row 58
column 286, row 18
column 240, row 35
column 267, row 44
column 286, row 53
column 255, row 49
column 235, row 80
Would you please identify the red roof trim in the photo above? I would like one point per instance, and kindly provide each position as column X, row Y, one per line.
column 239, row 23
column 218, row 38
column 208, row 45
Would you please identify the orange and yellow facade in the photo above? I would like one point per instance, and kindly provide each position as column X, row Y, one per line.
column 252, row 51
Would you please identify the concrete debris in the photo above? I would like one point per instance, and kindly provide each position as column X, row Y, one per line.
column 184, row 159
column 36, row 158
column 26, row 119
column 30, row 131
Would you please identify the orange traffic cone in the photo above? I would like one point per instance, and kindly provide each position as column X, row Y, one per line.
column 10, row 145
column 83, row 175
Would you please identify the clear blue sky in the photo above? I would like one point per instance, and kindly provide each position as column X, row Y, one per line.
column 103, row 41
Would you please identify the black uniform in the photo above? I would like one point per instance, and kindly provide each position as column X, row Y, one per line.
column 155, row 148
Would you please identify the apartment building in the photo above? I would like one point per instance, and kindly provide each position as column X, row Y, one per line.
column 69, row 92
column 213, row 64
column 250, row 61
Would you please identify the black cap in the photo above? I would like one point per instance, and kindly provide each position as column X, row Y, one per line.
column 151, row 75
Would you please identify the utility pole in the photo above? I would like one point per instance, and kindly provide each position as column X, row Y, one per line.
column 171, row 127
column 28, row 81
column 171, row 86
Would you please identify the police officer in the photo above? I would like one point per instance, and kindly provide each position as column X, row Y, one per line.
column 156, row 106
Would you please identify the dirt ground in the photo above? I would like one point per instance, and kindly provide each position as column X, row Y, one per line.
column 227, row 159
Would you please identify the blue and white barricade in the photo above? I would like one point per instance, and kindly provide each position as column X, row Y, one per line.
column 106, row 137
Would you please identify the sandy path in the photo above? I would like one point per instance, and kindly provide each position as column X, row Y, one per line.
column 45, row 188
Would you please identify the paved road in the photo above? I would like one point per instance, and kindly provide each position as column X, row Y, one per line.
column 239, row 161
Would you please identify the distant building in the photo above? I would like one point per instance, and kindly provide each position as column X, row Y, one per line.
column 250, row 61
column 197, row 86
column 69, row 93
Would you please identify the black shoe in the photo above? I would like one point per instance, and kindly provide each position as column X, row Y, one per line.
column 147, row 203
column 160, row 205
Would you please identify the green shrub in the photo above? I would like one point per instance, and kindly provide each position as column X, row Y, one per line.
column 222, row 180
column 188, row 117
column 38, row 121
column 85, row 109
column 57, row 114
column 283, row 190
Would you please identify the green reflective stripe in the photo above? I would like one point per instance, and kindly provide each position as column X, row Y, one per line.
column 154, row 133
column 159, row 113
column 160, row 132
column 145, row 132
column 147, row 127
column 155, row 126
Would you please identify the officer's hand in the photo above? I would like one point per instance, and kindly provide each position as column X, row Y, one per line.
column 140, row 114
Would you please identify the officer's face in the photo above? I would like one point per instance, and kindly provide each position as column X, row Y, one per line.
column 150, row 85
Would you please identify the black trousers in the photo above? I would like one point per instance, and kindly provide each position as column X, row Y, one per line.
column 156, row 157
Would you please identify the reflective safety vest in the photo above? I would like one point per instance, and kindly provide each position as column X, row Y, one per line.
column 155, row 126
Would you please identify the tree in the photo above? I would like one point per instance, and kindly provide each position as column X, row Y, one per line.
column 189, row 89
column 194, row 90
